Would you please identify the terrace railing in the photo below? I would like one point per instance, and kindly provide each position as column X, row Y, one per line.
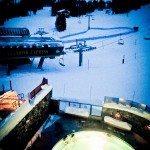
column 94, row 110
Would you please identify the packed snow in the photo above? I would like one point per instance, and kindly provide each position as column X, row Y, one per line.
column 102, row 72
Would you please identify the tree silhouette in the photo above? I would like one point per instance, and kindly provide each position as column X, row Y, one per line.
column 101, row 4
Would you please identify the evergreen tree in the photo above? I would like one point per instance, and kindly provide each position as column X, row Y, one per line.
column 95, row 4
column 101, row 4
column 90, row 7
column 83, row 8
column 60, row 22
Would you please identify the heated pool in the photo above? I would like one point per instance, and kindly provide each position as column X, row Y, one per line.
column 89, row 140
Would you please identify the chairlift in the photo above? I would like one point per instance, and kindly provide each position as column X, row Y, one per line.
column 61, row 62
column 147, row 36
column 120, row 41
column 93, row 18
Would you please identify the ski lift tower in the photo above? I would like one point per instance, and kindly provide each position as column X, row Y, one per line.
column 89, row 18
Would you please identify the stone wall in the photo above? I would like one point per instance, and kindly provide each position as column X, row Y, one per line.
column 138, row 123
column 18, row 138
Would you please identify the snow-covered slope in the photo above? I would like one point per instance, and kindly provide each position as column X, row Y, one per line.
column 102, row 72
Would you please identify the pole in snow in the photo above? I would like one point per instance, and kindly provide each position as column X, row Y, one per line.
column 135, row 42
column 123, row 59
column 90, row 92
column 80, row 57
column 64, row 89
column 10, row 85
column 102, row 45
column 8, row 70
column 88, row 64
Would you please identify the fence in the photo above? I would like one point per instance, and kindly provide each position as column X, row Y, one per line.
column 94, row 110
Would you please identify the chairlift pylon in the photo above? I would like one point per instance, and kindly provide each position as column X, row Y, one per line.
column 61, row 61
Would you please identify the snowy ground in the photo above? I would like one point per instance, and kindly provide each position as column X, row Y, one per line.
column 102, row 73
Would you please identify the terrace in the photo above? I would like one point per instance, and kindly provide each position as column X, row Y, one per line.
column 71, row 117
column 117, row 119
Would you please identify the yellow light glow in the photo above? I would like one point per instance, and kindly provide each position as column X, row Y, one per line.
column 89, row 140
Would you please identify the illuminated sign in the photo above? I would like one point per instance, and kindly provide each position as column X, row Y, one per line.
column 27, row 52
column 22, row 47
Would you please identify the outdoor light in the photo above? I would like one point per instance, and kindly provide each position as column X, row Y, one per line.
column 89, row 140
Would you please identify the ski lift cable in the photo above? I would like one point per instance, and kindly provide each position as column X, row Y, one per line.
column 127, row 59
column 112, row 41
column 102, row 40
column 123, row 38
column 105, row 40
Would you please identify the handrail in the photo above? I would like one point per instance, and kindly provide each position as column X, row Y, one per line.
column 38, row 88
column 80, row 105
